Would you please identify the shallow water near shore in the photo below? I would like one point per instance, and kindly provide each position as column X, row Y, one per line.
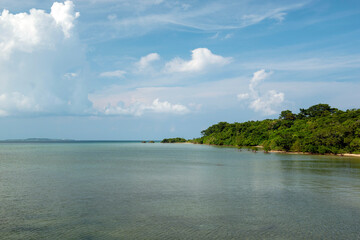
column 127, row 190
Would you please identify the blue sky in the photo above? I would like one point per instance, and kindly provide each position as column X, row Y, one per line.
column 149, row 69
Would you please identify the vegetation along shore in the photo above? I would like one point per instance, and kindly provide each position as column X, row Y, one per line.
column 320, row 129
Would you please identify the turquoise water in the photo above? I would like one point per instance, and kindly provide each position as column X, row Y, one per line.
column 174, row 191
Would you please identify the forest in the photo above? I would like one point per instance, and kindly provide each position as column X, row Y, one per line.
column 173, row 140
column 319, row 129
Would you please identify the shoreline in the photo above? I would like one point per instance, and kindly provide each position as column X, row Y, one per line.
column 356, row 155
column 317, row 154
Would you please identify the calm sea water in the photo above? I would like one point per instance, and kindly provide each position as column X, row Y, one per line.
column 174, row 191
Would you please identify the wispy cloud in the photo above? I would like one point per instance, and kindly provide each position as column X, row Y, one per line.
column 218, row 36
column 214, row 16
column 309, row 64
column 117, row 74
column 276, row 14
column 264, row 103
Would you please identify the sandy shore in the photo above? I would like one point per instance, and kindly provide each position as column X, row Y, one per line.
column 351, row 155
column 327, row 154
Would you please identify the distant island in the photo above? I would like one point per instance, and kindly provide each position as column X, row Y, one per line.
column 51, row 140
column 320, row 129
column 32, row 140
column 174, row 140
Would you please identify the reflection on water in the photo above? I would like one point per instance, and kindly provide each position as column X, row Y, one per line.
column 174, row 191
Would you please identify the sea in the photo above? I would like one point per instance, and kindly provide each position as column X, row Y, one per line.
column 134, row 190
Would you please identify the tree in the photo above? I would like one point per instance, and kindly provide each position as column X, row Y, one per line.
column 318, row 110
column 287, row 115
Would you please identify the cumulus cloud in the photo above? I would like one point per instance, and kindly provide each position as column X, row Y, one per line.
column 21, row 103
column 117, row 74
column 39, row 53
column 146, row 60
column 264, row 103
column 139, row 108
column 37, row 29
column 201, row 58
column 64, row 15
column 120, row 100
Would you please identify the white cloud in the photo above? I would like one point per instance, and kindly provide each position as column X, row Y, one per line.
column 64, row 15
column 201, row 59
column 257, row 78
column 264, row 103
column 37, row 29
column 139, row 108
column 39, row 52
column 21, row 102
column 117, row 73
column 146, row 60
column 166, row 107
column 120, row 100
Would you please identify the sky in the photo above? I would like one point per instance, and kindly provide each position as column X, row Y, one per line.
column 153, row 69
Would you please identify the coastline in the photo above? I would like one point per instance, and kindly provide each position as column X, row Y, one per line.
column 356, row 155
column 316, row 154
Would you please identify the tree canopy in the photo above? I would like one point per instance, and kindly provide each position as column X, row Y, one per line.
column 318, row 129
column 173, row 140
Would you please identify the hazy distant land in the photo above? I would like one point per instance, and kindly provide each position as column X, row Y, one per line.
column 51, row 140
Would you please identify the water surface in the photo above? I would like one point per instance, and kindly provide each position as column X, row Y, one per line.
column 174, row 191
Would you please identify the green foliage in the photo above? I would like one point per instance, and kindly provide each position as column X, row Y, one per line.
column 215, row 128
column 287, row 115
column 318, row 110
column 318, row 129
column 173, row 140
column 266, row 145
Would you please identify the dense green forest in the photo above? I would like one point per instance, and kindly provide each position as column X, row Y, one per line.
column 318, row 129
column 173, row 140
